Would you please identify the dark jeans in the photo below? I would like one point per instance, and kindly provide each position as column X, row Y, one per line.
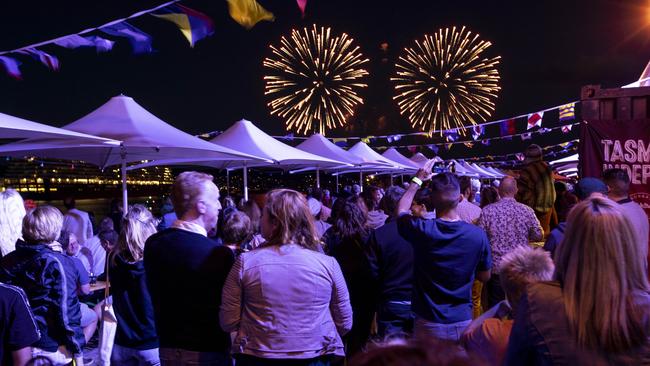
column 495, row 292
column 395, row 318
column 246, row 360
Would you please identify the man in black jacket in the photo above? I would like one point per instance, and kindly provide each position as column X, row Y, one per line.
column 185, row 275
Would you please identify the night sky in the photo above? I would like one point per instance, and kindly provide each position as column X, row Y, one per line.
column 549, row 50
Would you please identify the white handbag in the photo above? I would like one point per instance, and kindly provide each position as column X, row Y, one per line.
column 108, row 327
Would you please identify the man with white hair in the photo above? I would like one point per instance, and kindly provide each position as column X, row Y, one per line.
column 96, row 249
column 185, row 276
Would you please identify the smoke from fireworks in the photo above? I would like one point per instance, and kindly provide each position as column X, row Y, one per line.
column 443, row 83
column 314, row 79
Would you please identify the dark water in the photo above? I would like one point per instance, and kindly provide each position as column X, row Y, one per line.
column 100, row 207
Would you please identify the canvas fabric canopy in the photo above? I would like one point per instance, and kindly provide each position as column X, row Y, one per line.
column 143, row 136
column 248, row 138
column 373, row 161
column 18, row 128
column 395, row 156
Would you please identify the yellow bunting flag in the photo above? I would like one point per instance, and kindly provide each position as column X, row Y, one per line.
column 248, row 12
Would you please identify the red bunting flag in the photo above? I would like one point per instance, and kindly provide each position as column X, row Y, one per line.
column 302, row 4
column 535, row 120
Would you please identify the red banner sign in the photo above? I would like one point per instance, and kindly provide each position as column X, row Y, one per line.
column 618, row 144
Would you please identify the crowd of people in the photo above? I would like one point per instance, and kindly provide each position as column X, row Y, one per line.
column 525, row 271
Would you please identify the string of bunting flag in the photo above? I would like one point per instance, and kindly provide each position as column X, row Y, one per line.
column 507, row 129
column 563, row 148
column 193, row 24
column 487, row 141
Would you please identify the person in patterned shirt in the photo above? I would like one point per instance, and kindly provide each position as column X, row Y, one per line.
column 508, row 224
column 536, row 186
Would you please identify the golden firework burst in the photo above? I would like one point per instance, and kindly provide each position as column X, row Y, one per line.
column 444, row 82
column 314, row 79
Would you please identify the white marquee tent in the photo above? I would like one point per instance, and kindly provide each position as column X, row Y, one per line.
column 249, row 139
column 17, row 128
column 143, row 136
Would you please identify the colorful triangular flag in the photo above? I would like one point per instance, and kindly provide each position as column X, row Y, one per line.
column 567, row 112
column 340, row 142
column 507, row 127
column 74, row 41
column 302, row 5
column 535, row 120
column 140, row 41
column 486, row 142
column 193, row 24
column 101, row 44
column 248, row 12
column 526, row 136
column 12, row 66
column 477, row 131
column 566, row 129
column 433, row 148
column 45, row 58
column 469, row 144
column 520, row 156
column 450, row 135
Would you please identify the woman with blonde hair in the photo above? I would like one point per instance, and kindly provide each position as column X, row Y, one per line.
column 598, row 310
column 12, row 211
column 43, row 274
column 136, row 340
column 286, row 301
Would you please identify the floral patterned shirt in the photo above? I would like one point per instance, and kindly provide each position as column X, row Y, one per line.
column 468, row 211
column 508, row 224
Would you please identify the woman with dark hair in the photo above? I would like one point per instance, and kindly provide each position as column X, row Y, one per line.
column 286, row 302
column 376, row 217
column 489, row 195
column 346, row 241
column 252, row 210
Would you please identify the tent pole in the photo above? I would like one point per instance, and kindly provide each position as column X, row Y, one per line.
column 125, row 203
column 337, row 183
column 245, row 183
column 391, row 179
column 228, row 182
column 402, row 176
column 361, row 180
column 317, row 177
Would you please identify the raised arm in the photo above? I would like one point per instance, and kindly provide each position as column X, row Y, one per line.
column 422, row 175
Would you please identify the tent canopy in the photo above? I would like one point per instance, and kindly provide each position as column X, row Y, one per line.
column 17, row 128
column 143, row 136
column 249, row 139
column 395, row 156
column 463, row 171
column 319, row 145
column 379, row 162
